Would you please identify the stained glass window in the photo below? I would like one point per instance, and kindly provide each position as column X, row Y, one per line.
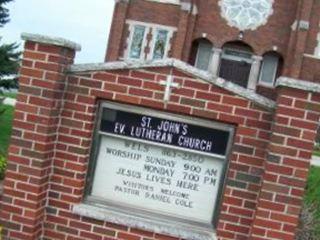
column 246, row 14
column 160, row 44
column 137, row 41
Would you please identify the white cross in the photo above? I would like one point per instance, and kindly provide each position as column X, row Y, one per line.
column 168, row 84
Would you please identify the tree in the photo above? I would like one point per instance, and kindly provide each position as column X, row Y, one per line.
column 4, row 12
column 9, row 56
column 9, row 65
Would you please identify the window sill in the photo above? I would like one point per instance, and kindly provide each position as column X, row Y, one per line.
column 172, row 228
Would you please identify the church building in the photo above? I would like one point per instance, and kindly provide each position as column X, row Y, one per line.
column 199, row 125
column 248, row 42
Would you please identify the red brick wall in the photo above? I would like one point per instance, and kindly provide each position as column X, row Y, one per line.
column 51, row 144
column 310, row 70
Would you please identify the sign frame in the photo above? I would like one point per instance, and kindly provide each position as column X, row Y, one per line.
column 149, row 214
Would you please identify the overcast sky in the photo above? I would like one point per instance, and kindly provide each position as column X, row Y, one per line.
column 86, row 22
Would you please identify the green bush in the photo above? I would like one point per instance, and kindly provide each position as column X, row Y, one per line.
column 309, row 224
column 3, row 166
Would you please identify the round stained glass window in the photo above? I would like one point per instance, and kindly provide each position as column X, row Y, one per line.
column 246, row 14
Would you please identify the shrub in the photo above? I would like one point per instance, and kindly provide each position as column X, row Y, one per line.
column 309, row 225
column 1, row 101
column 3, row 166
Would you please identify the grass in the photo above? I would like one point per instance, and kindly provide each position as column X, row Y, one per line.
column 316, row 153
column 9, row 94
column 5, row 127
column 312, row 196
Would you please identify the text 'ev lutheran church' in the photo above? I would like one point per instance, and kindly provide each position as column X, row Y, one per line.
column 199, row 125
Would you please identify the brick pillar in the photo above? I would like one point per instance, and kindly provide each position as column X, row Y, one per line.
column 36, row 118
column 117, row 30
column 288, row 161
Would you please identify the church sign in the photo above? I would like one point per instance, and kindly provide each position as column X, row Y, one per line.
column 159, row 164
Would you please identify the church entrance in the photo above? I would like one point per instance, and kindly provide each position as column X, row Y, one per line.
column 236, row 61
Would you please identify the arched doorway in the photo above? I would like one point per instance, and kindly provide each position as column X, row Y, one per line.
column 236, row 61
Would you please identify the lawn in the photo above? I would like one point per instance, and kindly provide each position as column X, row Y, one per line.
column 10, row 94
column 316, row 153
column 5, row 127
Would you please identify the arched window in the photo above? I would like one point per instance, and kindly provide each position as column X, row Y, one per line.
column 271, row 67
column 236, row 61
column 201, row 54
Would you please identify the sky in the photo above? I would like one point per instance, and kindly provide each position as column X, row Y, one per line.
column 86, row 22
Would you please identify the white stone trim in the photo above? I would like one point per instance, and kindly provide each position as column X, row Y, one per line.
column 171, row 228
column 304, row 25
column 254, row 72
column 151, row 25
column 182, row 66
column 57, row 41
column 294, row 25
column 317, row 49
column 298, row 84
column 186, row 6
column 174, row 2
column 312, row 56
column 195, row 10
column 215, row 61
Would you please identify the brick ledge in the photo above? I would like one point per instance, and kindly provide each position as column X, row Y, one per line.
column 57, row 41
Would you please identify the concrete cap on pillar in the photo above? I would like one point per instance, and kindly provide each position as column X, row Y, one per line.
column 57, row 41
